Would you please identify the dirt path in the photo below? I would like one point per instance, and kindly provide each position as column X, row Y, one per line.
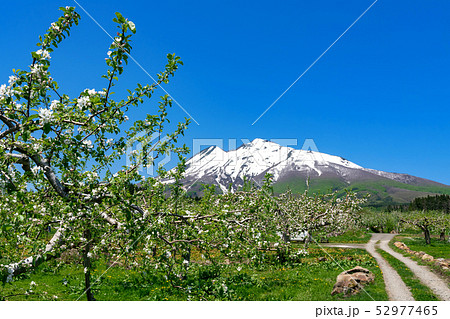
column 356, row 246
column 395, row 287
column 428, row 278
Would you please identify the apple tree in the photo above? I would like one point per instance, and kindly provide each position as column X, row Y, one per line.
column 57, row 154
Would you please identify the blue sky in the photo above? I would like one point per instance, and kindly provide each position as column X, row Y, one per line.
column 379, row 97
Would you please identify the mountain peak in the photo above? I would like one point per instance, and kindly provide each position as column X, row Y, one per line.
column 253, row 160
column 259, row 141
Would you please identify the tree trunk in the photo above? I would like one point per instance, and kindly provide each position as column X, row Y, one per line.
column 87, row 266
column 442, row 235
column 426, row 233
column 308, row 239
column 286, row 237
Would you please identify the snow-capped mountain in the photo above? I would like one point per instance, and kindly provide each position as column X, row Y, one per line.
column 253, row 160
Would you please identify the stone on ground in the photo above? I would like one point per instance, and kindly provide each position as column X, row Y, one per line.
column 351, row 281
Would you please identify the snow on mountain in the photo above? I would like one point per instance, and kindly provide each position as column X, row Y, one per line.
column 255, row 159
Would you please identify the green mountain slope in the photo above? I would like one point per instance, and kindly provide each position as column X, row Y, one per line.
column 382, row 192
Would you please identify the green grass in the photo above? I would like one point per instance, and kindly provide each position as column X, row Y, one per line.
column 357, row 236
column 419, row 291
column 437, row 248
column 298, row 185
column 444, row 274
column 314, row 280
column 310, row 279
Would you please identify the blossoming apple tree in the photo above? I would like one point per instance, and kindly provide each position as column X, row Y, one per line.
column 320, row 215
column 428, row 222
column 58, row 190
column 56, row 154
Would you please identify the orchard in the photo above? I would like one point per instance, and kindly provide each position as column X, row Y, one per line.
column 59, row 193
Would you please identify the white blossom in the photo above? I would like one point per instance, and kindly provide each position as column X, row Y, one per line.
column 89, row 254
column 36, row 147
column 4, row 91
column 54, row 105
column 44, row 54
column 225, row 288
column 85, row 270
column 45, row 115
column 88, row 143
column 134, row 152
column 37, row 69
column 302, row 252
column 54, row 26
column 35, row 170
column 12, row 79
column 83, row 101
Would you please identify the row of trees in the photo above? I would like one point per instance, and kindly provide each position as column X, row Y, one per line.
column 429, row 203
column 428, row 223
column 56, row 156
column 430, row 214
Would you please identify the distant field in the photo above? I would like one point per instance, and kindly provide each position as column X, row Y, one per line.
column 356, row 236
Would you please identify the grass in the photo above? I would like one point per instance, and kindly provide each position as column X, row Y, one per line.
column 444, row 274
column 298, row 185
column 356, row 236
column 314, row 280
column 419, row 291
column 309, row 279
column 437, row 248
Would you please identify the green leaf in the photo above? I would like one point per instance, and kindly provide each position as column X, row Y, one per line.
column 47, row 128
column 32, row 117
column 120, row 18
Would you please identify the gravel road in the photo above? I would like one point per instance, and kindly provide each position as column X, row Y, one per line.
column 395, row 287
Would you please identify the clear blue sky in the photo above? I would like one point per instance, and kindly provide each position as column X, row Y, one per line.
column 379, row 97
